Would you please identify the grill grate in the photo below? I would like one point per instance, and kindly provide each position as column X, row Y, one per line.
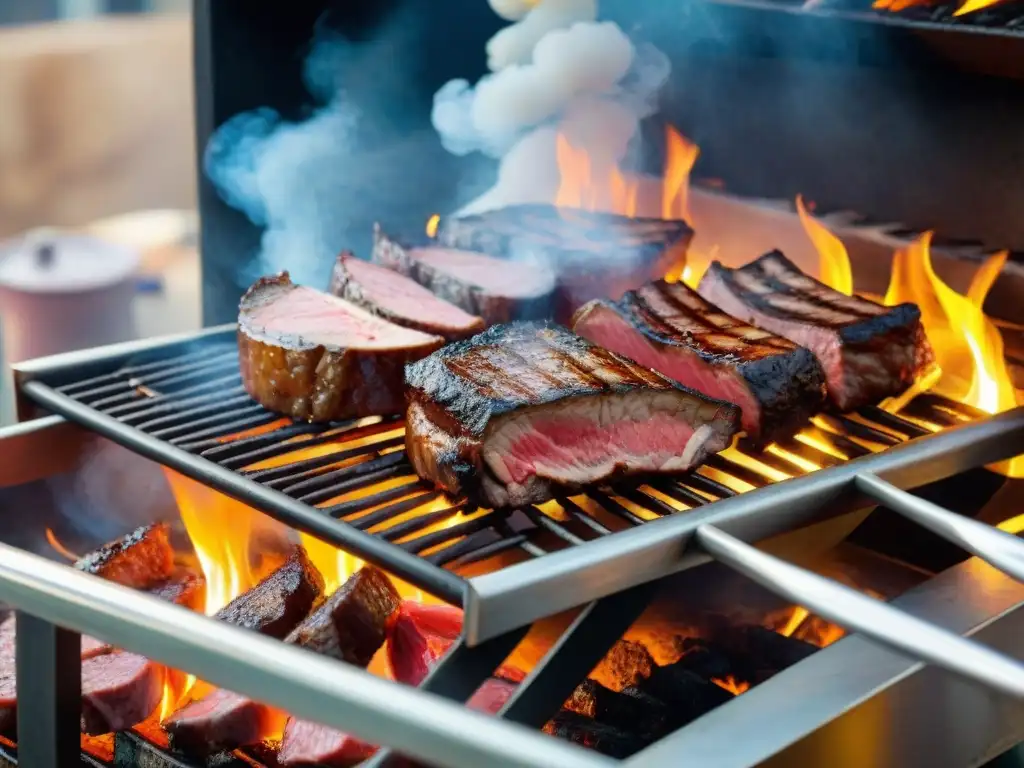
column 351, row 483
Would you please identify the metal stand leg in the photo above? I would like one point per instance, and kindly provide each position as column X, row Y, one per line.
column 49, row 669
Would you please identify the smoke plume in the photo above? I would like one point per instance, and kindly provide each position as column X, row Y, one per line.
column 556, row 70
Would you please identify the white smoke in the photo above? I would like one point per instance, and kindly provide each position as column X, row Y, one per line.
column 556, row 70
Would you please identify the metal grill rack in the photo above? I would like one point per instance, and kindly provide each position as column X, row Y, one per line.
column 188, row 381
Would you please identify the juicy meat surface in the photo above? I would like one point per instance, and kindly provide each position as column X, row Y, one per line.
column 400, row 299
column 524, row 411
column 672, row 329
column 313, row 356
column 276, row 605
column 141, row 559
column 594, row 255
column 119, row 690
column 868, row 351
column 497, row 290
column 311, row 745
column 350, row 625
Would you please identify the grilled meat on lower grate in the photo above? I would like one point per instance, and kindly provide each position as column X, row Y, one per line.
column 400, row 299
column 523, row 411
column 869, row 352
column 672, row 329
column 497, row 290
column 313, row 356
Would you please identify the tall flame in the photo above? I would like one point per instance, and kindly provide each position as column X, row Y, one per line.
column 680, row 157
column 834, row 264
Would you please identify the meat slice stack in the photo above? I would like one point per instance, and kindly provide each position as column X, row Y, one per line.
column 594, row 255
column 313, row 356
column 497, row 290
column 868, row 351
column 400, row 299
column 672, row 329
column 525, row 410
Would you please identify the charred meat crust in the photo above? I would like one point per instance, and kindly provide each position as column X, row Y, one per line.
column 493, row 308
column 865, row 330
column 594, row 254
column 142, row 559
column 460, row 392
column 352, row 623
column 345, row 285
column 784, row 379
column 278, row 603
column 308, row 381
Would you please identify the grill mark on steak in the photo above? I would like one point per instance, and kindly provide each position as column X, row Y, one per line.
column 585, row 249
column 522, row 410
column 350, row 625
column 316, row 357
column 868, row 352
column 400, row 299
column 494, row 289
column 672, row 329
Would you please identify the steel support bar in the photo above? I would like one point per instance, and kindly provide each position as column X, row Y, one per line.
column 520, row 594
column 1003, row 550
column 49, row 669
column 873, row 618
column 309, row 686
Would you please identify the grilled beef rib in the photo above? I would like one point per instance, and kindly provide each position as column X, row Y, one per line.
column 498, row 290
column 313, row 356
column 525, row 410
column 594, row 255
column 868, row 351
column 672, row 329
column 400, row 299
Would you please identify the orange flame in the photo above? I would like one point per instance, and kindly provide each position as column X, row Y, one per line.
column 432, row 223
column 834, row 264
column 895, row 6
column 731, row 684
column 61, row 550
column 680, row 157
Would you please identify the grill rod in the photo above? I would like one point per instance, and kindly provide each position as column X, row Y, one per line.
column 873, row 618
column 1003, row 550
column 298, row 681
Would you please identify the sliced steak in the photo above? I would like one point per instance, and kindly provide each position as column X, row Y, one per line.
column 119, row 690
column 312, row 745
column 400, row 299
column 868, row 351
column 142, row 559
column 276, row 605
column 523, row 411
column 594, row 255
column 672, row 329
column 350, row 625
column 313, row 356
column 498, row 290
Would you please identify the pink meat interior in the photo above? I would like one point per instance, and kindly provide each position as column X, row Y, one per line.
column 404, row 297
column 320, row 318
column 497, row 276
column 610, row 330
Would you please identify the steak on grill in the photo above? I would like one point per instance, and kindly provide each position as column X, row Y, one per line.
column 498, row 290
column 522, row 411
column 350, row 625
column 400, row 299
column 869, row 352
column 594, row 255
column 313, row 356
column 672, row 329
column 119, row 690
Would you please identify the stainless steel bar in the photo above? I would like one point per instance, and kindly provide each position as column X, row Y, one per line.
column 38, row 449
column 1003, row 550
column 522, row 593
column 298, row 681
column 875, row 619
column 857, row 703
column 49, row 669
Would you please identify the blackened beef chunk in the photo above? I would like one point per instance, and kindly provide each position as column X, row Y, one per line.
column 276, row 605
column 868, row 351
column 525, row 410
column 142, row 559
column 313, row 356
column 672, row 329
column 400, row 299
column 594, row 255
column 497, row 290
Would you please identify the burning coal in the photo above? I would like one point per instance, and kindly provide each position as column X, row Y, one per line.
column 556, row 72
